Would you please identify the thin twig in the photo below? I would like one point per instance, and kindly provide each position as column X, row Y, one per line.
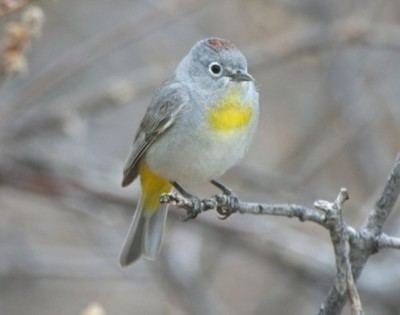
column 352, row 247
column 355, row 300
column 365, row 245
column 337, row 230
column 303, row 213
column 386, row 201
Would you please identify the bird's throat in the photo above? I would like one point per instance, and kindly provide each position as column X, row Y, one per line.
column 231, row 112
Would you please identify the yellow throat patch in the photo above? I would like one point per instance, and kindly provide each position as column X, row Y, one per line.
column 231, row 113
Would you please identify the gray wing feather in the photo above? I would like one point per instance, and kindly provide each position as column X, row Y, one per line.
column 161, row 114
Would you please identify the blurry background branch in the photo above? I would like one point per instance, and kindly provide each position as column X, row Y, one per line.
column 10, row 6
column 17, row 37
column 328, row 73
column 278, row 50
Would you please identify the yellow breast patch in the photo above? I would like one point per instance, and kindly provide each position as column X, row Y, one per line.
column 230, row 114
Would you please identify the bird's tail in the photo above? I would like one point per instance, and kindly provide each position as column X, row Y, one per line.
column 147, row 227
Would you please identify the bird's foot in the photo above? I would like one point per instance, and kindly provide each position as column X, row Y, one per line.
column 226, row 202
column 227, row 205
column 192, row 204
column 182, row 191
column 194, row 210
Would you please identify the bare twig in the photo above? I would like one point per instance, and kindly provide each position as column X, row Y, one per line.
column 386, row 202
column 344, row 276
column 363, row 246
column 352, row 247
column 225, row 202
column 355, row 300
column 337, row 228
column 359, row 245
column 386, row 241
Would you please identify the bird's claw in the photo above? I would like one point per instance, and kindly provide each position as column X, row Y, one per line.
column 223, row 215
column 191, row 204
column 227, row 205
column 190, row 215
column 171, row 198
column 194, row 210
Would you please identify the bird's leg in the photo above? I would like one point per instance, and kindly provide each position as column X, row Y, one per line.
column 194, row 211
column 229, row 200
column 225, row 190
column 181, row 190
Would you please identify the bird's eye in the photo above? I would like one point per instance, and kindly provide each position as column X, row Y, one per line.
column 215, row 69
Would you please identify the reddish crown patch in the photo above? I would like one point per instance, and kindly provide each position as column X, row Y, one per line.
column 218, row 43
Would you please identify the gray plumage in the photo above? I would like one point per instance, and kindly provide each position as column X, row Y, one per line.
column 160, row 115
column 144, row 235
column 175, row 139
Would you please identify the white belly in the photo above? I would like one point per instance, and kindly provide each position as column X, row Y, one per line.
column 199, row 159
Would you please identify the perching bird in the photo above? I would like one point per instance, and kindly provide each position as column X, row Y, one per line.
column 198, row 125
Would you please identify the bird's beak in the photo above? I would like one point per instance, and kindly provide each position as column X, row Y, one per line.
column 240, row 76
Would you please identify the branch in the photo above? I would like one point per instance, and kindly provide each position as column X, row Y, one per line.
column 336, row 227
column 355, row 300
column 386, row 202
column 344, row 276
column 386, row 241
column 352, row 247
column 224, row 203
column 365, row 245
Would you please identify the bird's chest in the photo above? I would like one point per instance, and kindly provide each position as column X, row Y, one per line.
column 207, row 140
column 226, row 129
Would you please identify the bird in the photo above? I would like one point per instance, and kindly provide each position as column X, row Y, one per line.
column 199, row 124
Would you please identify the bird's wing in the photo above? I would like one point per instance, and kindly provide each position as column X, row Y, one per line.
column 166, row 105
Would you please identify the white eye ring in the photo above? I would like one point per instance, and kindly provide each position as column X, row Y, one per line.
column 215, row 69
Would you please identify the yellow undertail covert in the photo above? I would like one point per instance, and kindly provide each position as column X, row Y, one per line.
column 231, row 113
column 152, row 188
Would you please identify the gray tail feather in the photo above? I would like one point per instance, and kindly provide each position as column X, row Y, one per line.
column 144, row 236
column 132, row 248
column 154, row 232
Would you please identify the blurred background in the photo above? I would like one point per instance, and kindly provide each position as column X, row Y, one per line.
column 75, row 80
